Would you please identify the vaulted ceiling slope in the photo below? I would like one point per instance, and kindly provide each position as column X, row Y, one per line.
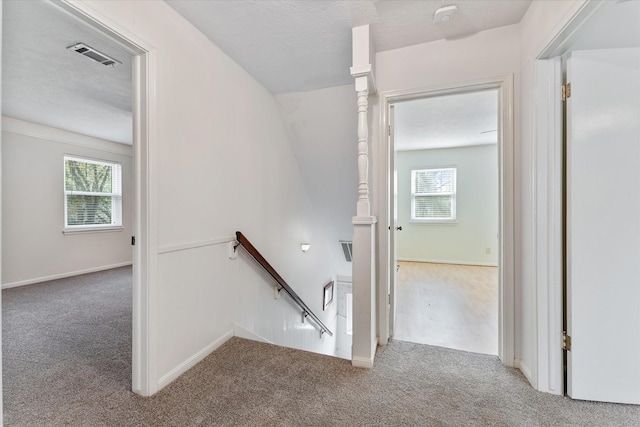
column 292, row 46
column 43, row 82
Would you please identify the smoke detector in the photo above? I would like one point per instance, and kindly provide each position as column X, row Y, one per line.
column 93, row 54
column 444, row 14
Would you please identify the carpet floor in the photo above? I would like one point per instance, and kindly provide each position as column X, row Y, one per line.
column 67, row 352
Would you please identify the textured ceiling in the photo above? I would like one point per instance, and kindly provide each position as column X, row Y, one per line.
column 294, row 46
column 43, row 82
column 447, row 121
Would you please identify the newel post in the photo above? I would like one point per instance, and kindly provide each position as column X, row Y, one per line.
column 364, row 224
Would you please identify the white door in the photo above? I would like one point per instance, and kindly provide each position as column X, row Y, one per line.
column 393, row 224
column 603, row 225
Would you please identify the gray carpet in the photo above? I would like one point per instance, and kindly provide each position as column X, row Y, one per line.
column 67, row 362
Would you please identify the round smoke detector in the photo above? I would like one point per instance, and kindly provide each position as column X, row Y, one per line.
column 444, row 14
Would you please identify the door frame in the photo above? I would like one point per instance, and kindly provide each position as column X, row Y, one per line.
column 548, row 160
column 145, row 196
column 506, row 243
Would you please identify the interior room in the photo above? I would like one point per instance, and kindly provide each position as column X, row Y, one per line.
column 67, row 198
column 253, row 140
column 446, row 173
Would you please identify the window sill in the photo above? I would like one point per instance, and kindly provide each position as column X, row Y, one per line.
column 87, row 230
column 444, row 222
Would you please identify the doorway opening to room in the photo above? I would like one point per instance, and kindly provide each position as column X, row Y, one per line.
column 74, row 191
column 450, row 217
column 446, row 214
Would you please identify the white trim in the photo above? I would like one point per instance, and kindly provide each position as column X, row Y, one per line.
column 193, row 360
column 194, row 245
column 364, row 220
column 446, row 261
column 241, row 332
column 144, row 375
column 547, row 166
column 526, row 371
column 91, row 230
column 559, row 41
column 63, row 275
column 361, row 362
column 48, row 133
column 547, row 125
column 506, row 315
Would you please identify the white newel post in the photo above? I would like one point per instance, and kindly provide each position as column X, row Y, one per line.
column 364, row 224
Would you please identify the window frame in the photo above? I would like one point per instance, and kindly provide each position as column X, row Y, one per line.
column 453, row 195
column 116, row 196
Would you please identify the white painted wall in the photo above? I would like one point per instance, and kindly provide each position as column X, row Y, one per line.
column 483, row 55
column 222, row 162
column 321, row 128
column 34, row 247
column 476, row 227
column 1, row 266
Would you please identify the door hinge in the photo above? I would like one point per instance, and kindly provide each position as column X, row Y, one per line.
column 566, row 91
column 389, row 130
column 389, row 295
column 566, row 341
column 133, row 240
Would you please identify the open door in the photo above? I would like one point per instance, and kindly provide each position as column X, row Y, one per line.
column 603, row 225
column 393, row 226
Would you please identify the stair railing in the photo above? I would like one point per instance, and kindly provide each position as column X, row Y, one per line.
column 306, row 311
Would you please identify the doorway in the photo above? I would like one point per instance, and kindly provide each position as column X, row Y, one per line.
column 446, row 210
column 503, row 88
column 141, row 99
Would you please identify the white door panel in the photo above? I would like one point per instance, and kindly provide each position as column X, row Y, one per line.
column 603, row 225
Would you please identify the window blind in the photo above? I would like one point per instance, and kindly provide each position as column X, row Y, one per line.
column 93, row 192
column 433, row 194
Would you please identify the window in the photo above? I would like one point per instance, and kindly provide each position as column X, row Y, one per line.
column 92, row 194
column 433, row 195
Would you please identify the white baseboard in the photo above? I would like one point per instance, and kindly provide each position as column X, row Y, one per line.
column 445, row 261
column 239, row 331
column 362, row 362
column 192, row 361
column 63, row 275
column 526, row 371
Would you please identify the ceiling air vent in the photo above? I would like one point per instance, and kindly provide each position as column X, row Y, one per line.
column 347, row 248
column 90, row 52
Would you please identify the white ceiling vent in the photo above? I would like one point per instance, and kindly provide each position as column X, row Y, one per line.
column 90, row 52
column 347, row 248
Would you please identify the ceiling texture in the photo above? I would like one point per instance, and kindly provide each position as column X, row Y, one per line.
column 292, row 46
column 288, row 46
column 447, row 121
column 43, row 82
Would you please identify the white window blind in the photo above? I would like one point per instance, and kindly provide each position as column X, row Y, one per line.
column 92, row 193
column 433, row 195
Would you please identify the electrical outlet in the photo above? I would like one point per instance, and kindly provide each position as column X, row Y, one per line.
column 487, row 251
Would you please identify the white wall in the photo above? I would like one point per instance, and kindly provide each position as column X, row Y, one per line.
column 476, row 227
column 222, row 162
column 321, row 125
column 34, row 247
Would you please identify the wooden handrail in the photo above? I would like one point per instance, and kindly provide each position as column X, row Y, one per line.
column 306, row 311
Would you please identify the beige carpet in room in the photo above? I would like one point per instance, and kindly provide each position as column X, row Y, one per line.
column 67, row 362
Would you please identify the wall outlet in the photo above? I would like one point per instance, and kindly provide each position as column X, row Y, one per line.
column 487, row 251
